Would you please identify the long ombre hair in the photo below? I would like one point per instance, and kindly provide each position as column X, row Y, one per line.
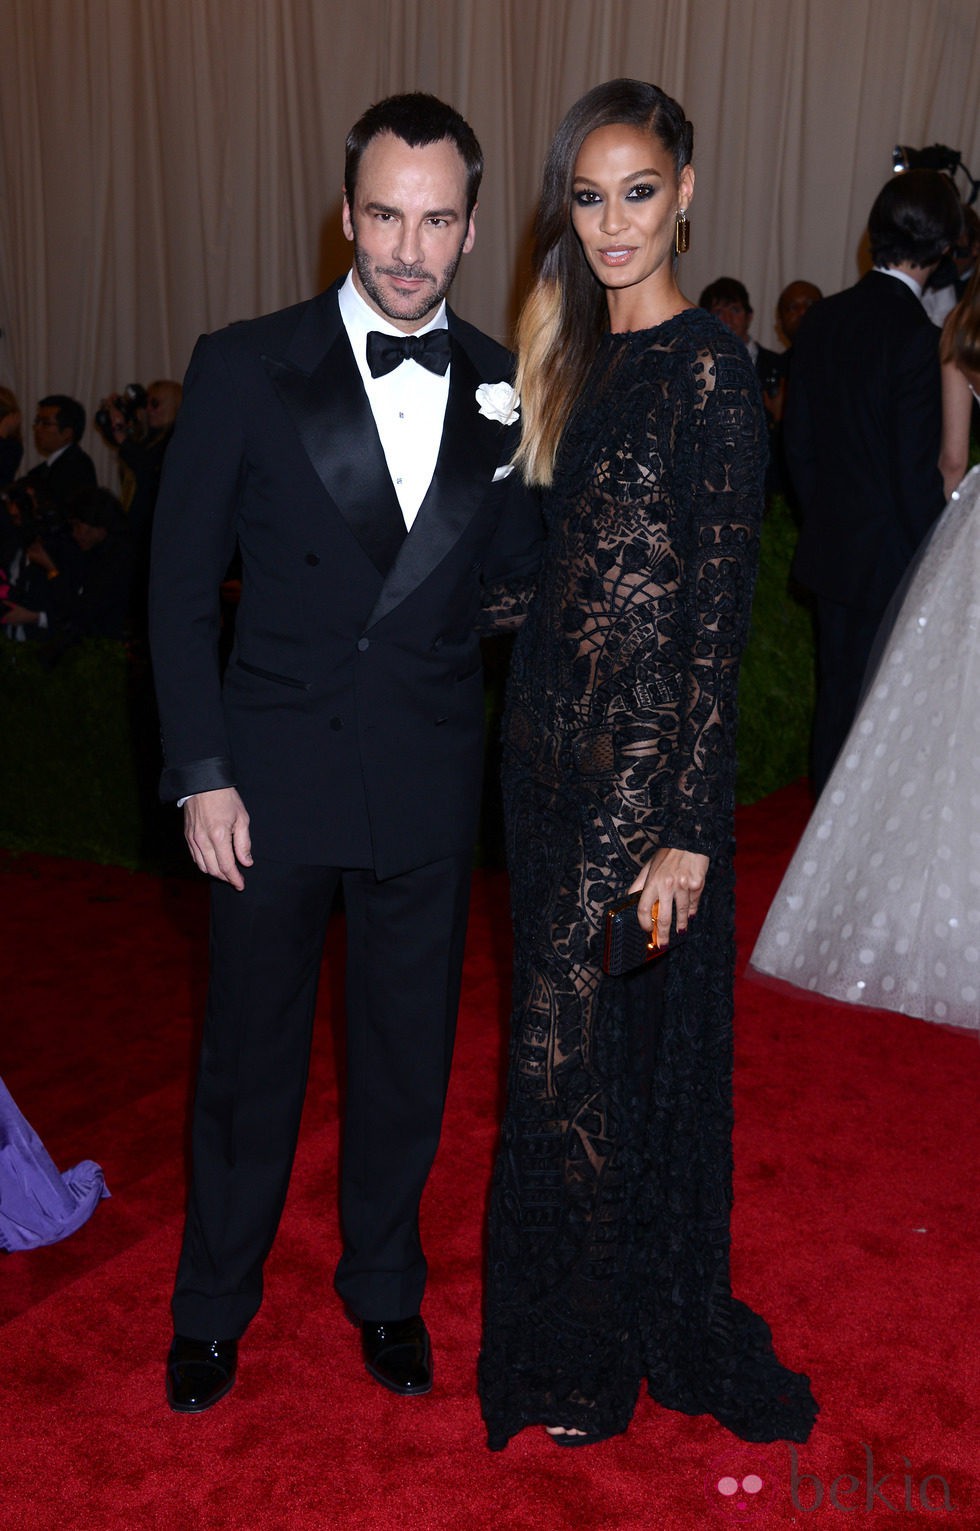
column 960, row 343
column 565, row 314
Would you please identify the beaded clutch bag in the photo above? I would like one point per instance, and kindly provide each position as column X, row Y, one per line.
column 627, row 945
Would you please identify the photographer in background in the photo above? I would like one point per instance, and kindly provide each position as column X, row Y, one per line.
column 139, row 424
column 88, row 574
column 33, row 535
column 59, row 424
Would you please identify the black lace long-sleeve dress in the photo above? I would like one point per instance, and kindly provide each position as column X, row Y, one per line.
column 609, row 1218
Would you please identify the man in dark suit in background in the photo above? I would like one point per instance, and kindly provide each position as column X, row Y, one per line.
column 357, row 448
column 59, row 424
column 728, row 299
column 792, row 306
column 862, row 434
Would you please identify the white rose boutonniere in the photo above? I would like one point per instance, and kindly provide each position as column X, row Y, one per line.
column 498, row 401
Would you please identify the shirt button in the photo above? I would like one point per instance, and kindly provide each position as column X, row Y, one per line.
column 312, row 560
column 363, row 644
column 336, row 725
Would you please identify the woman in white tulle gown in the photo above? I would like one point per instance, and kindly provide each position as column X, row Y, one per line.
column 880, row 905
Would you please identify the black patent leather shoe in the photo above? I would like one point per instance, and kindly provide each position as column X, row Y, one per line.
column 398, row 1355
column 199, row 1372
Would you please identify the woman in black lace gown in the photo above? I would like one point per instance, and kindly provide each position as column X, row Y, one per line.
column 609, row 1219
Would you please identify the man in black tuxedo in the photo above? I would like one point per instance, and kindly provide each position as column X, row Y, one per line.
column 59, row 424
column 728, row 299
column 862, row 435
column 357, row 448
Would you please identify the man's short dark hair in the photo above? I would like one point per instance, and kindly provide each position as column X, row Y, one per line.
column 725, row 289
column 916, row 217
column 71, row 414
column 418, row 119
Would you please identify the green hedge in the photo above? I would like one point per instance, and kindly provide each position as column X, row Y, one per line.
column 777, row 686
column 70, row 778
column 79, row 767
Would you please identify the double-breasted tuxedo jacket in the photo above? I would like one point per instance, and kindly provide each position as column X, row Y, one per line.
column 351, row 714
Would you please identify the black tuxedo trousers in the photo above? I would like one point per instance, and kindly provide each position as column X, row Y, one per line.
column 405, row 939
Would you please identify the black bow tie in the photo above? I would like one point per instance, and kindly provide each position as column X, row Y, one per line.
column 386, row 352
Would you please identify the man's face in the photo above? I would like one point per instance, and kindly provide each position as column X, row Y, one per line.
column 733, row 313
column 87, row 537
column 48, row 437
column 161, row 406
column 409, row 227
column 794, row 302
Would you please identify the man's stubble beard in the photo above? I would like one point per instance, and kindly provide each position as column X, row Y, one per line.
column 426, row 302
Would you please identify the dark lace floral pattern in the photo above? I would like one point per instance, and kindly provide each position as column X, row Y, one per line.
column 609, row 1222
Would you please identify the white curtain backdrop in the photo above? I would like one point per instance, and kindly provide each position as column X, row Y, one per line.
column 167, row 166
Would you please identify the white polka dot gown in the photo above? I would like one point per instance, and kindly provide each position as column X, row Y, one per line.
column 881, row 903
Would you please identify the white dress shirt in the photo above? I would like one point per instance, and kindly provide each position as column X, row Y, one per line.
column 902, row 276
column 408, row 404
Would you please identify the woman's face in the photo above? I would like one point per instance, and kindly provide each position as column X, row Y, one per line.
column 625, row 197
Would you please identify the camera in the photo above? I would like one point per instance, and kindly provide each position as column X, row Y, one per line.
column 128, row 403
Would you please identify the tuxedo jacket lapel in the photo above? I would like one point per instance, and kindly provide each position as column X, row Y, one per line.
column 470, row 452
column 321, row 388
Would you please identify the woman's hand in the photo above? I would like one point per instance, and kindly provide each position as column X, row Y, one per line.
column 676, row 879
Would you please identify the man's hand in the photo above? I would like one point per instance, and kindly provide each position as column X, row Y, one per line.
column 216, row 831
column 38, row 554
column 18, row 616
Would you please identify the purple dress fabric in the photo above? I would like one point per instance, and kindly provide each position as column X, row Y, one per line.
column 37, row 1205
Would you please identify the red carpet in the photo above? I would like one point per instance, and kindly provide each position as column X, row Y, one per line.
column 855, row 1233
